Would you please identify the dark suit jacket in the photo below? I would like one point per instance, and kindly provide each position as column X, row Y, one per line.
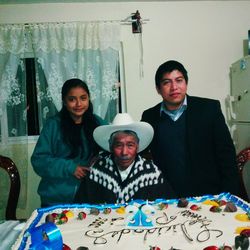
column 211, row 156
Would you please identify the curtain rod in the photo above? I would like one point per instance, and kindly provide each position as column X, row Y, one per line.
column 132, row 18
column 123, row 22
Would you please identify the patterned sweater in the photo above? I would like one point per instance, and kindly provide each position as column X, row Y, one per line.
column 104, row 184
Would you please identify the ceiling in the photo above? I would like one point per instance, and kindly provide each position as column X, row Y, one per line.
column 80, row 1
column 63, row 1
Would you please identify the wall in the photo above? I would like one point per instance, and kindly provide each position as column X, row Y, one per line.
column 27, row 175
column 206, row 36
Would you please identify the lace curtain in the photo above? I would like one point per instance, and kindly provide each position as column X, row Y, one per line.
column 88, row 51
column 13, row 105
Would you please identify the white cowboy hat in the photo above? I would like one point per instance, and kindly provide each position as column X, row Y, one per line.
column 123, row 121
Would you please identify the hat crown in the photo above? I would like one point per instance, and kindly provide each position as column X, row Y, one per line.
column 121, row 122
column 122, row 119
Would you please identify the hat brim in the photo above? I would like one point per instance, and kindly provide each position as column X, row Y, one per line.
column 143, row 130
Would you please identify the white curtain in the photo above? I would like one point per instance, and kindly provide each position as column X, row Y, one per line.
column 12, row 85
column 88, row 51
column 13, row 106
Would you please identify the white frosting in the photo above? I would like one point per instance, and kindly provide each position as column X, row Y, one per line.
column 180, row 228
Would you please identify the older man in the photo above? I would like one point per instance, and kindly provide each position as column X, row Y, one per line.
column 120, row 174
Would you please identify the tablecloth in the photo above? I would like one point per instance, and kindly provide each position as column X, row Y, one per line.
column 9, row 231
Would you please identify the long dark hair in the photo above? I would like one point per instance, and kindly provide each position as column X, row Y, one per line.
column 70, row 131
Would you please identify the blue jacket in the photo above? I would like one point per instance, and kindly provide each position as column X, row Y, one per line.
column 58, row 185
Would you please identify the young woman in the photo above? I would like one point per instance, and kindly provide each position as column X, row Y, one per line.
column 66, row 145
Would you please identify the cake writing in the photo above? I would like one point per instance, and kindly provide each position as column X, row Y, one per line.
column 164, row 225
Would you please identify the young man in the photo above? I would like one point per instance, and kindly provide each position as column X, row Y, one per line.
column 192, row 145
column 120, row 174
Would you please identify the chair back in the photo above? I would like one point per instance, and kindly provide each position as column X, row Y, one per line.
column 243, row 161
column 8, row 165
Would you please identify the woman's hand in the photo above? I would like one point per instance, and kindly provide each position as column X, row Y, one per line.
column 81, row 172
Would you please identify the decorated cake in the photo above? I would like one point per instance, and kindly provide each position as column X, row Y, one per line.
column 203, row 223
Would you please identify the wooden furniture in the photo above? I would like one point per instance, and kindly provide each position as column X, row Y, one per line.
column 242, row 158
column 8, row 165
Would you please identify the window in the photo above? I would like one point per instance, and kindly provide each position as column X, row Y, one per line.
column 38, row 105
column 32, row 107
column 25, row 117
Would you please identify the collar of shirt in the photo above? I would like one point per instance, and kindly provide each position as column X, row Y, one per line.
column 174, row 114
column 124, row 173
